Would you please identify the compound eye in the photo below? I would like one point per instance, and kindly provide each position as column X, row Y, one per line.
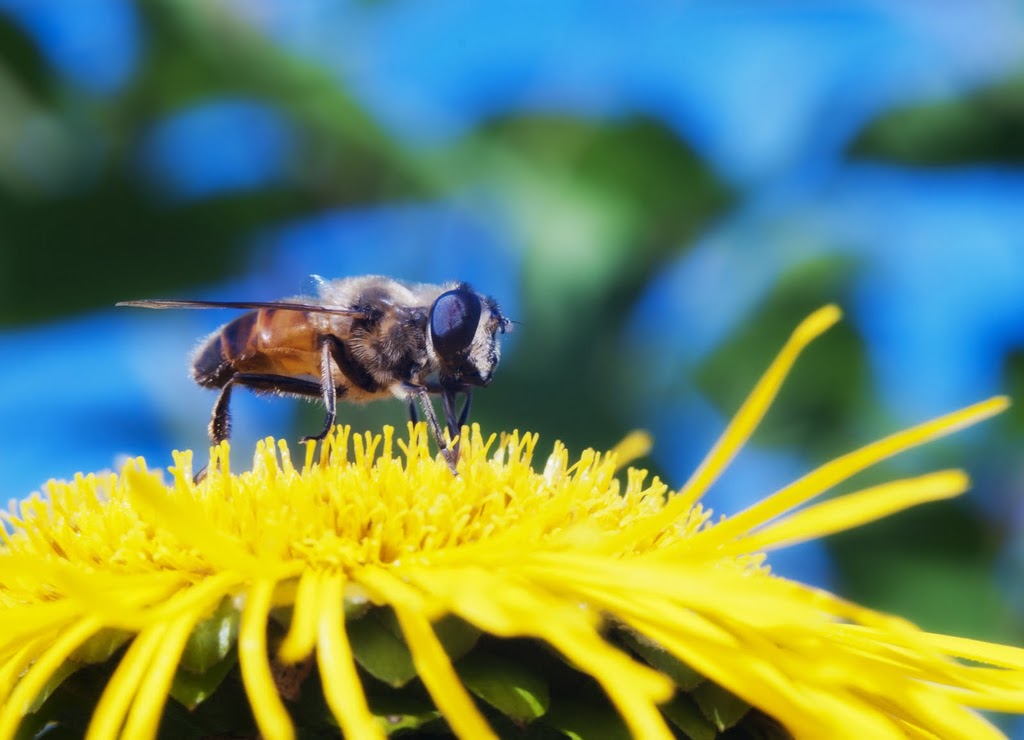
column 453, row 321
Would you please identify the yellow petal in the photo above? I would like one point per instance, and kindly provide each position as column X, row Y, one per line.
column 510, row 607
column 432, row 664
column 757, row 403
column 121, row 689
column 1006, row 656
column 267, row 707
column 301, row 637
column 18, row 662
column 633, row 446
column 435, row 670
column 844, row 467
column 738, row 430
column 853, row 510
column 25, row 692
column 342, row 687
column 144, row 717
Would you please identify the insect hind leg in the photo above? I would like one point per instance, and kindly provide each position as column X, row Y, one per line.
column 220, row 418
column 220, row 421
column 266, row 383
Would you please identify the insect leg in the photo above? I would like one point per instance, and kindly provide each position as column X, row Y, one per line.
column 464, row 415
column 428, row 411
column 281, row 384
column 454, row 421
column 220, row 420
column 413, row 416
column 448, row 400
column 450, row 417
column 329, row 394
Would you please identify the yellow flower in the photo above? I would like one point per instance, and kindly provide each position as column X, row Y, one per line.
column 163, row 575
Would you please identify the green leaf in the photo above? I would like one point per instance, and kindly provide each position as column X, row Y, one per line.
column 192, row 689
column 211, row 640
column 682, row 675
column 720, row 706
column 378, row 646
column 56, row 679
column 225, row 714
column 587, row 720
column 100, row 646
column 400, row 709
column 505, row 684
column 67, row 701
column 396, row 723
column 684, row 713
column 457, row 636
column 379, row 649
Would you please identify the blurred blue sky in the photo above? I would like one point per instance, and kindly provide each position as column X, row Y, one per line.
column 763, row 92
column 95, row 44
column 768, row 96
column 217, row 147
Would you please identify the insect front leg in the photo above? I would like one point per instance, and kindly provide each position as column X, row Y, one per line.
column 328, row 391
column 435, row 428
column 454, row 421
column 448, row 399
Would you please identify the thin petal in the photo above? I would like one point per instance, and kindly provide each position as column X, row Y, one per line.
column 35, row 679
column 301, row 637
column 436, row 671
column 17, row 663
column 756, row 405
column 342, row 687
column 978, row 651
column 22, row 623
column 510, row 607
column 432, row 663
column 267, row 707
column 144, row 718
column 736, row 433
column 805, row 709
column 633, row 446
column 853, row 510
column 844, row 467
column 202, row 596
column 121, row 689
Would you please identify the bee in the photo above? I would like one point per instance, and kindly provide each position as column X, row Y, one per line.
column 361, row 339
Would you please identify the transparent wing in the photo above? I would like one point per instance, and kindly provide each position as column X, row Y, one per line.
column 278, row 305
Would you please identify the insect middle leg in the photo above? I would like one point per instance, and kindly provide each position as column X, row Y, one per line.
column 327, row 392
column 448, row 402
column 454, row 423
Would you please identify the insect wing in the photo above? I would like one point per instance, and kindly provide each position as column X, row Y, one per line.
column 277, row 305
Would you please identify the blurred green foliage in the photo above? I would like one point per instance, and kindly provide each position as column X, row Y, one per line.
column 983, row 126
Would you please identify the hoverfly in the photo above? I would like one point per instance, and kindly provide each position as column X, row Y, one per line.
column 361, row 339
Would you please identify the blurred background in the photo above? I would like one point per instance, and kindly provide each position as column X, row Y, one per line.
column 657, row 191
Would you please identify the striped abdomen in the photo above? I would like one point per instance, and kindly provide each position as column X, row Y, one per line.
column 268, row 341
